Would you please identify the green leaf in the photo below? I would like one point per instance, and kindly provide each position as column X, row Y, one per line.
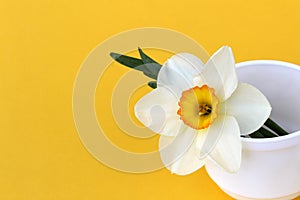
column 146, row 58
column 263, row 133
column 256, row 134
column 266, row 133
column 127, row 61
column 151, row 65
column 152, row 84
column 149, row 69
column 275, row 127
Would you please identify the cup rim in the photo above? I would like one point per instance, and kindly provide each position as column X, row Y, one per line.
column 249, row 142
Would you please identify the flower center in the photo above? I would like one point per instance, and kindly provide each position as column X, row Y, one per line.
column 198, row 107
column 204, row 109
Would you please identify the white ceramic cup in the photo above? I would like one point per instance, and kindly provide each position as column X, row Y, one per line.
column 270, row 167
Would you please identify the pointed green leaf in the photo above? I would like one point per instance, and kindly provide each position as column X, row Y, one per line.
column 127, row 61
column 152, row 67
column 137, row 64
column 146, row 58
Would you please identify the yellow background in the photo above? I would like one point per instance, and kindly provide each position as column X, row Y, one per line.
column 43, row 43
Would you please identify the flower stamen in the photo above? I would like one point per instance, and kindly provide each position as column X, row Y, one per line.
column 204, row 109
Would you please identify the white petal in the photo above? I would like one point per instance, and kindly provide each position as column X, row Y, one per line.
column 158, row 111
column 179, row 154
column 220, row 73
column 178, row 72
column 207, row 139
column 249, row 107
column 228, row 150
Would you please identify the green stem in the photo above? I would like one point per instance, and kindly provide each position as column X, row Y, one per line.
column 256, row 134
column 266, row 133
column 275, row 127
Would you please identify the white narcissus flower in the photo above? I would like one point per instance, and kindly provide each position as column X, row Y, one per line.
column 201, row 110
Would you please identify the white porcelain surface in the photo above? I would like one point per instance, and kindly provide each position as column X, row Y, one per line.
column 270, row 167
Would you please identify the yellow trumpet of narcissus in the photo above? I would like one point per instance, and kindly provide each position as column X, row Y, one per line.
column 200, row 111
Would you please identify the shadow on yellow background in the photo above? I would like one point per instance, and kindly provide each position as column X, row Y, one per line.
column 43, row 43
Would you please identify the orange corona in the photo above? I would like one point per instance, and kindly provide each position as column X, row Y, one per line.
column 198, row 107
